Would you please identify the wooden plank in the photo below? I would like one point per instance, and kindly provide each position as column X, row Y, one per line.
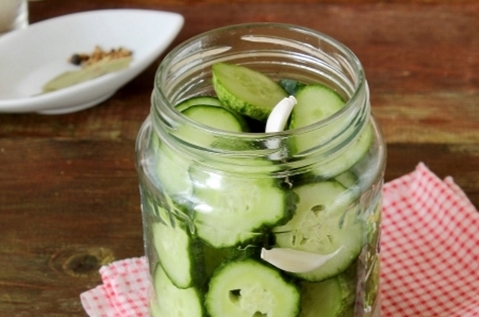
column 150, row 3
column 67, row 209
column 460, row 161
column 441, row 118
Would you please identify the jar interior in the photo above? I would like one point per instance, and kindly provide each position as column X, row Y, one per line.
column 276, row 50
column 280, row 52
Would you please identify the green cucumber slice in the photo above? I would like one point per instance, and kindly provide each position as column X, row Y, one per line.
column 177, row 252
column 172, row 172
column 207, row 101
column 333, row 297
column 230, row 210
column 349, row 312
column 315, row 102
column 248, row 288
column 245, row 90
column 324, row 223
column 212, row 116
column 198, row 101
column 216, row 117
column 172, row 301
column 154, row 308
column 214, row 257
column 348, row 179
column 352, row 155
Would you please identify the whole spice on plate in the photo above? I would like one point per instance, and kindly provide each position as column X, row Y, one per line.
column 98, row 54
column 93, row 65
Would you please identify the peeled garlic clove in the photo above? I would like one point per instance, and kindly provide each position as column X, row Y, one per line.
column 295, row 261
column 279, row 115
column 276, row 122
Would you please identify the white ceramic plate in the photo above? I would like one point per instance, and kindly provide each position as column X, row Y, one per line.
column 31, row 57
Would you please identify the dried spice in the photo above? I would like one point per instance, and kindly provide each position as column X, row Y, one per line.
column 98, row 54
column 93, row 65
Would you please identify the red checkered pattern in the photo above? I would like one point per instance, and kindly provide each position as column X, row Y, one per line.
column 429, row 248
column 123, row 293
column 429, row 256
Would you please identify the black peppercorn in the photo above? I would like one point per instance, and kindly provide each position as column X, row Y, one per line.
column 76, row 59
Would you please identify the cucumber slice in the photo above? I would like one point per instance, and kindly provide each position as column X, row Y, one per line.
column 349, row 312
column 349, row 158
column 230, row 210
column 315, row 103
column 154, row 308
column 247, row 91
column 333, row 297
column 173, row 172
column 213, row 257
column 206, row 101
column 248, row 289
column 177, row 253
column 172, row 301
column 198, row 101
column 215, row 117
column 323, row 223
column 348, row 179
column 212, row 116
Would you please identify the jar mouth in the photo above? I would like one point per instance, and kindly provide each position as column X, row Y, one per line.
column 279, row 50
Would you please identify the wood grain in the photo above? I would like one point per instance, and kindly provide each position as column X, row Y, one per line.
column 66, row 208
column 69, row 199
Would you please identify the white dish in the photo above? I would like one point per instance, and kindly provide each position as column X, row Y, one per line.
column 31, row 57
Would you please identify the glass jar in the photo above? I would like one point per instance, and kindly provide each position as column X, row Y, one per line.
column 262, row 224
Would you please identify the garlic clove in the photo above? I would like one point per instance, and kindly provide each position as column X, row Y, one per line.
column 279, row 115
column 295, row 261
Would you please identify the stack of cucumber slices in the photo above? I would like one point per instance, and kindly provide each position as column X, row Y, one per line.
column 212, row 258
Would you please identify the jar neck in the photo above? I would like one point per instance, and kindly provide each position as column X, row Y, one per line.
column 186, row 72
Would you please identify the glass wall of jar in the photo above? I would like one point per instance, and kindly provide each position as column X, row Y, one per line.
column 254, row 223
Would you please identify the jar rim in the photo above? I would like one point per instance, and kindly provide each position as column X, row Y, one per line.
column 359, row 94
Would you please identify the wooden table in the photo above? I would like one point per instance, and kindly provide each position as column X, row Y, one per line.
column 69, row 197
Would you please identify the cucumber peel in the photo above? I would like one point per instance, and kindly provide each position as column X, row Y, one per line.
column 177, row 251
column 171, row 301
column 245, row 90
column 333, row 297
column 203, row 103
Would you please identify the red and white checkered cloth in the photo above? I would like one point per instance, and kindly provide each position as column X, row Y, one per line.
column 429, row 248
column 124, row 291
column 429, row 256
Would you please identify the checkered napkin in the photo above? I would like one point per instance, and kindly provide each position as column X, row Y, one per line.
column 123, row 293
column 429, row 256
column 429, row 248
